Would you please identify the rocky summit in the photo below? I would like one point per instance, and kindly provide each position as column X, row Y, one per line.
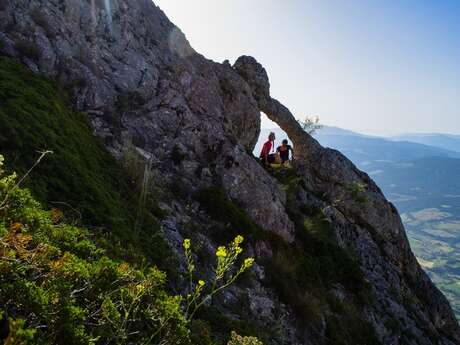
column 333, row 263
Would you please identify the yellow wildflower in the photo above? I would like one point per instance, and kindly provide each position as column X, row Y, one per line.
column 248, row 262
column 201, row 283
column 238, row 250
column 186, row 243
column 221, row 252
column 239, row 239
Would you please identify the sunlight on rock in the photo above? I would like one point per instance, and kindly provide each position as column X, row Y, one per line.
column 178, row 44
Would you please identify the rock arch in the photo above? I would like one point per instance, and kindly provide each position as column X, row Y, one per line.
column 256, row 76
column 326, row 171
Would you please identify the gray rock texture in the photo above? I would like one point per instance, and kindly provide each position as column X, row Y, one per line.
column 148, row 94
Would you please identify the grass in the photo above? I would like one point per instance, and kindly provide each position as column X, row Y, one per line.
column 81, row 177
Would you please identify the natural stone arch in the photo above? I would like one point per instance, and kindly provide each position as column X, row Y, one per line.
column 326, row 171
column 257, row 78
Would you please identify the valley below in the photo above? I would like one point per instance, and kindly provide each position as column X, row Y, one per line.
column 427, row 194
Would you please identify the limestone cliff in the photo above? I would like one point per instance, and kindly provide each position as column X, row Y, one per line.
column 194, row 122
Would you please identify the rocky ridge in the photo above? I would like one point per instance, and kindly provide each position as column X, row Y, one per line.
column 192, row 122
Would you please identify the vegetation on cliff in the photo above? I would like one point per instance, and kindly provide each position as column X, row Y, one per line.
column 303, row 273
column 61, row 282
column 60, row 287
column 81, row 177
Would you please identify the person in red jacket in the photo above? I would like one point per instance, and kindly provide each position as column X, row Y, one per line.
column 265, row 155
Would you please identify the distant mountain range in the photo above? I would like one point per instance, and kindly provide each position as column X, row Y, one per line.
column 420, row 174
column 445, row 141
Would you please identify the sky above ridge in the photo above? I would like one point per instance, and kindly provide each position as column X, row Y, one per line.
column 375, row 66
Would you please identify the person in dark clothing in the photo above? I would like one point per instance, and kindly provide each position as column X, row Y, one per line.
column 283, row 151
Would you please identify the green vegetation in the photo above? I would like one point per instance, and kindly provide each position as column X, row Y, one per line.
column 62, row 288
column 303, row 272
column 81, row 177
column 222, row 209
column 310, row 124
column 75, row 294
column 224, row 272
column 35, row 116
column 239, row 340
column 433, row 236
column 357, row 190
column 85, row 280
column 211, row 324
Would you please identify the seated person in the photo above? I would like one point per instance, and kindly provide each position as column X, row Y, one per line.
column 266, row 157
column 283, row 151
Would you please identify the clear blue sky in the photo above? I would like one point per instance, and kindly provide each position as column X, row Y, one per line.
column 374, row 66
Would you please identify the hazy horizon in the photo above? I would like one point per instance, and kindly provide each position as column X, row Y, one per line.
column 375, row 67
column 268, row 124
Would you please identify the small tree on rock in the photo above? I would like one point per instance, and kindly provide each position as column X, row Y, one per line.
column 310, row 124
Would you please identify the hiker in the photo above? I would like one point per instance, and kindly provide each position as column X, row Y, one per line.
column 266, row 156
column 283, row 151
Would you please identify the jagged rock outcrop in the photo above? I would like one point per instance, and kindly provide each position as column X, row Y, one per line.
column 193, row 121
column 142, row 85
column 330, row 173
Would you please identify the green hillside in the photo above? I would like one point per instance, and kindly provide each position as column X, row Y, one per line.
column 81, row 178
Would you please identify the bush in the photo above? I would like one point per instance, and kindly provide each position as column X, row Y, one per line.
column 357, row 191
column 61, row 288
column 239, row 340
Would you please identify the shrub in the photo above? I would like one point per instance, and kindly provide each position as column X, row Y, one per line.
column 310, row 124
column 239, row 340
column 357, row 191
column 61, row 288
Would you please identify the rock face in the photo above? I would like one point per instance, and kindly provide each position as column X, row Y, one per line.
column 147, row 93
